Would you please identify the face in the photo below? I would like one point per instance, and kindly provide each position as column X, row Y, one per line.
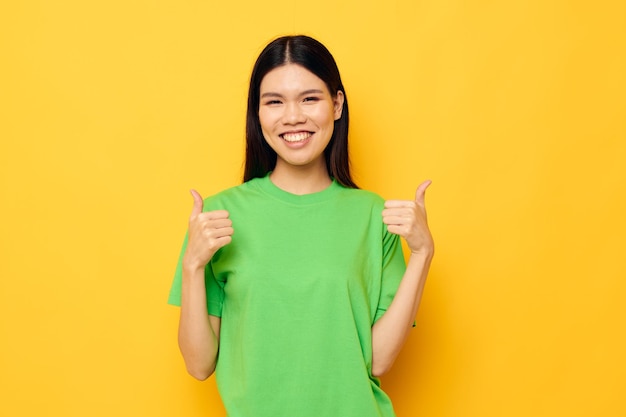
column 297, row 115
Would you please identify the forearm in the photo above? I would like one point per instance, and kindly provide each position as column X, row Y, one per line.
column 391, row 330
column 198, row 337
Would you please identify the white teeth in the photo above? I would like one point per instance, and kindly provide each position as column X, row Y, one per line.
column 296, row 137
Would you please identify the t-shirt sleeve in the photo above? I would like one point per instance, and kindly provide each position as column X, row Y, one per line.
column 214, row 289
column 392, row 271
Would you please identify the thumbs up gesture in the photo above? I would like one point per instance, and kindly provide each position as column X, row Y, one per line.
column 408, row 219
column 208, row 232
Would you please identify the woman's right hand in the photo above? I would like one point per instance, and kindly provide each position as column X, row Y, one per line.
column 208, row 232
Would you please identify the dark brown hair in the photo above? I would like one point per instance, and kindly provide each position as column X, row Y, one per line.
column 312, row 55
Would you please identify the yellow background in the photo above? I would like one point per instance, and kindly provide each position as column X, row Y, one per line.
column 111, row 110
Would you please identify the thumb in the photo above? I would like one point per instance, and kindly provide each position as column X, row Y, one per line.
column 198, row 203
column 421, row 191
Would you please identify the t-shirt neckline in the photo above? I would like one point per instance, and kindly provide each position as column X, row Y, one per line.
column 272, row 189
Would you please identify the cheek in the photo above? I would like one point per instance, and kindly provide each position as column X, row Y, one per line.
column 262, row 119
column 267, row 119
column 267, row 136
column 324, row 116
column 265, row 126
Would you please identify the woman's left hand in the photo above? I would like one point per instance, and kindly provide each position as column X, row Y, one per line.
column 408, row 219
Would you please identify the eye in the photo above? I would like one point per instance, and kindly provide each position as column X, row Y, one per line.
column 311, row 99
column 272, row 102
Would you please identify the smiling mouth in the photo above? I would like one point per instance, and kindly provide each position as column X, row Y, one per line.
column 296, row 137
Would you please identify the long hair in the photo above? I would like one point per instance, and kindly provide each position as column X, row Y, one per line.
column 312, row 55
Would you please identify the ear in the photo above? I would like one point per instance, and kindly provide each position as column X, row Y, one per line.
column 338, row 104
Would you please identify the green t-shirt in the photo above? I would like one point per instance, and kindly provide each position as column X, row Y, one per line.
column 298, row 290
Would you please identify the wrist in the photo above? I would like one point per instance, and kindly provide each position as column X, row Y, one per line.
column 192, row 266
column 426, row 252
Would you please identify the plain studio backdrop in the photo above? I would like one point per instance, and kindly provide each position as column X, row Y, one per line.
column 110, row 111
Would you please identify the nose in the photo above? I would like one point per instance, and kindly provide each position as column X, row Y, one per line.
column 293, row 114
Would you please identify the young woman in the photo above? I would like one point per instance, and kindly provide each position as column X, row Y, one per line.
column 293, row 285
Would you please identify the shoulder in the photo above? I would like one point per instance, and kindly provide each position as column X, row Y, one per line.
column 237, row 193
column 361, row 197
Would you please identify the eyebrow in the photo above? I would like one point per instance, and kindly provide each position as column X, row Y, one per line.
column 304, row 93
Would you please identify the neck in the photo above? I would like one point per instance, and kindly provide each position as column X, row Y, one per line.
column 301, row 180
